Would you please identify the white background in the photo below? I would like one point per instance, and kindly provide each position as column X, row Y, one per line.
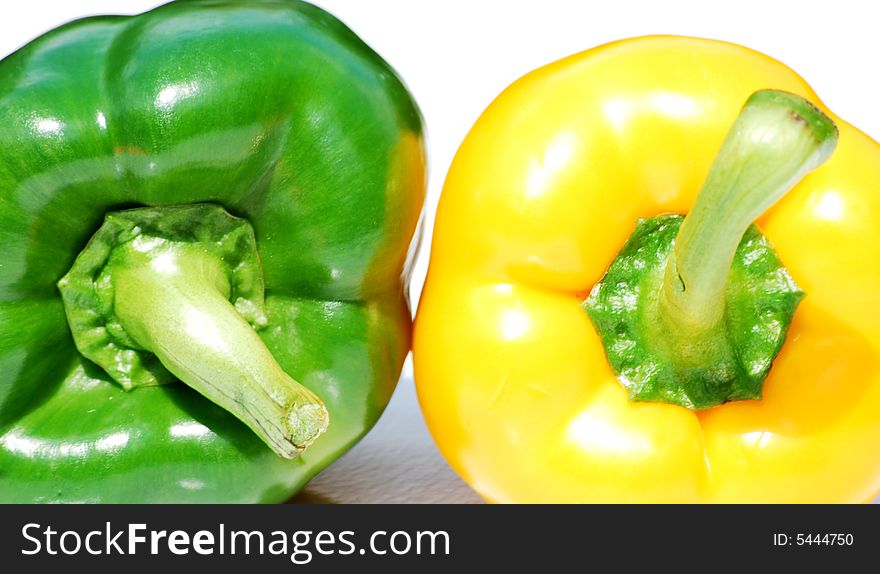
column 457, row 55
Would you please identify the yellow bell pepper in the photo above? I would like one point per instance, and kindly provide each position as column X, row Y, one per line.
column 516, row 385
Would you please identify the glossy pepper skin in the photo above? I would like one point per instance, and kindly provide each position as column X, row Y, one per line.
column 543, row 193
column 274, row 111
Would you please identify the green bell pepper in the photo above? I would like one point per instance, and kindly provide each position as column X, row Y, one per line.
column 205, row 215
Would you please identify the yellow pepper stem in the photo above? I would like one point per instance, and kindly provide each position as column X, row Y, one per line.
column 694, row 309
column 777, row 139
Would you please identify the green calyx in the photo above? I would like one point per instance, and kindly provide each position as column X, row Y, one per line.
column 694, row 309
column 176, row 292
column 701, row 368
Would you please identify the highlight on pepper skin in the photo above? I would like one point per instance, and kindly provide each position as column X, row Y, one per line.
column 202, row 279
column 650, row 282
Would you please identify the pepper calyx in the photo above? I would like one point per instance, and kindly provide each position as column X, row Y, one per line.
column 646, row 354
column 176, row 293
column 694, row 309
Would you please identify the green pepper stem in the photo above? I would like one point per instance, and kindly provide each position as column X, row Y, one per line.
column 776, row 140
column 174, row 303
